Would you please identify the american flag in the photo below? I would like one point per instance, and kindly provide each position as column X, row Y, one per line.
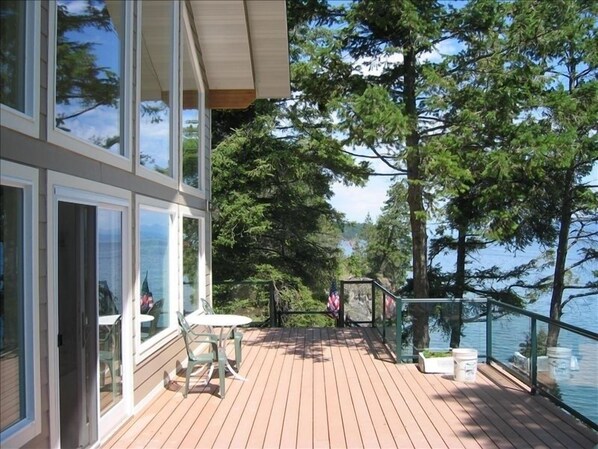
column 334, row 302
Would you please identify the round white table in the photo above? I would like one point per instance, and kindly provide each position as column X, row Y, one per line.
column 109, row 320
column 227, row 324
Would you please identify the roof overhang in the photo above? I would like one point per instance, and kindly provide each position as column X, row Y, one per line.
column 244, row 49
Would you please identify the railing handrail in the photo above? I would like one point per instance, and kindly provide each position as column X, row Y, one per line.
column 569, row 327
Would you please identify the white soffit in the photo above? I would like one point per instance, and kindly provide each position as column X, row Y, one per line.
column 270, row 47
column 244, row 45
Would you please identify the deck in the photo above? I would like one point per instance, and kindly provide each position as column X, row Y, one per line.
column 339, row 388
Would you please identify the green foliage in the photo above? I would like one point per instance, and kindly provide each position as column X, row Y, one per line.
column 78, row 75
column 388, row 241
column 435, row 354
column 525, row 348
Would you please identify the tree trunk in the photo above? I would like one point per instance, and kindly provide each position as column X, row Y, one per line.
column 417, row 213
column 561, row 259
column 456, row 321
column 558, row 285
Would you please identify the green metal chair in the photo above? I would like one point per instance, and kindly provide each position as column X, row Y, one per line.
column 237, row 335
column 215, row 354
column 110, row 354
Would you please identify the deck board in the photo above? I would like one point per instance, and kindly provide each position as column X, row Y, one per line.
column 338, row 388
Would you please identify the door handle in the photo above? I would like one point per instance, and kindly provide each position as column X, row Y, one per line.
column 59, row 342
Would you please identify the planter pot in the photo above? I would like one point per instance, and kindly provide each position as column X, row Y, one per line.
column 521, row 363
column 437, row 365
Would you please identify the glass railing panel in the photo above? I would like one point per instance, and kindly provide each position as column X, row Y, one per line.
column 451, row 323
column 357, row 303
column 511, row 340
column 569, row 370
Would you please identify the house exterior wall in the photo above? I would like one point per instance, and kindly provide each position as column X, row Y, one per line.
column 152, row 370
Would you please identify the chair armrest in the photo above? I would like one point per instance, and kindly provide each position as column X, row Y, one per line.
column 211, row 338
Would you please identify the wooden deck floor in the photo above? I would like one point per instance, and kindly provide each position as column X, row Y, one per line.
column 338, row 388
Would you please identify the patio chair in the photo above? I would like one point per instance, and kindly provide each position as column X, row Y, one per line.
column 215, row 354
column 237, row 335
column 110, row 355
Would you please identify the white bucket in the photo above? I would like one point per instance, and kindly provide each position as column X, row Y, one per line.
column 559, row 362
column 465, row 364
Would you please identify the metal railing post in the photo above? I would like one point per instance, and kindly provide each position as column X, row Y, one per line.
column 340, row 322
column 534, row 356
column 399, row 328
column 384, row 317
column 272, row 306
column 488, row 332
column 373, row 304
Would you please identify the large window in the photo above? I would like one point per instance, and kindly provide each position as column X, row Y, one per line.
column 193, row 274
column 191, row 124
column 12, row 321
column 155, row 263
column 155, row 105
column 19, row 74
column 19, row 330
column 89, row 71
column 13, row 50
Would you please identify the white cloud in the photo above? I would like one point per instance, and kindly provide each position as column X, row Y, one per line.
column 357, row 202
column 368, row 66
column 444, row 48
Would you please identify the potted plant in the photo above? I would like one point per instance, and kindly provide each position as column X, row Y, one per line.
column 439, row 361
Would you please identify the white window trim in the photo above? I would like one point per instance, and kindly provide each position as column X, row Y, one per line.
column 28, row 122
column 152, row 175
column 186, row 212
column 75, row 143
column 153, row 344
column 62, row 187
column 187, row 34
column 26, row 178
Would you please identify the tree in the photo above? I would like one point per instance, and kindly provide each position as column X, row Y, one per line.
column 560, row 38
column 389, row 240
column 272, row 192
column 79, row 78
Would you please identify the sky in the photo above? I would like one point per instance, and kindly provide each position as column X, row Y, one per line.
column 357, row 202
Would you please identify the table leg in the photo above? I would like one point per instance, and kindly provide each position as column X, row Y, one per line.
column 223, row 341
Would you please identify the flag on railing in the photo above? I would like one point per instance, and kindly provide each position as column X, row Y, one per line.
column 147, row 299
column 334, row 302
column 390, row 307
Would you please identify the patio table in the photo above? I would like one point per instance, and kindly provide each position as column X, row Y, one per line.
column 227, row 325
column 109, row 320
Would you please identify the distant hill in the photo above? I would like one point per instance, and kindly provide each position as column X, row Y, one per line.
column 352, row 230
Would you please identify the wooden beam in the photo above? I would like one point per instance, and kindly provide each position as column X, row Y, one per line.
column 230, row 98
column 190, row 99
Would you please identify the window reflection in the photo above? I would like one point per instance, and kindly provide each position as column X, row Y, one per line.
column 154, row 303
column 154, row 107
column 89, row 70
column 12, row 53
column 110, row 307
column 12, row 350
column 190, row 124
column 190, row 265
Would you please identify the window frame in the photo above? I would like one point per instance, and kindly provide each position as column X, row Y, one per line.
column 187, row 35
column 26, row 178
column 77, row 144
column 186, row 212
column 142, row 171
column 153, row 344
column 27, row 122
column 63, row 187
